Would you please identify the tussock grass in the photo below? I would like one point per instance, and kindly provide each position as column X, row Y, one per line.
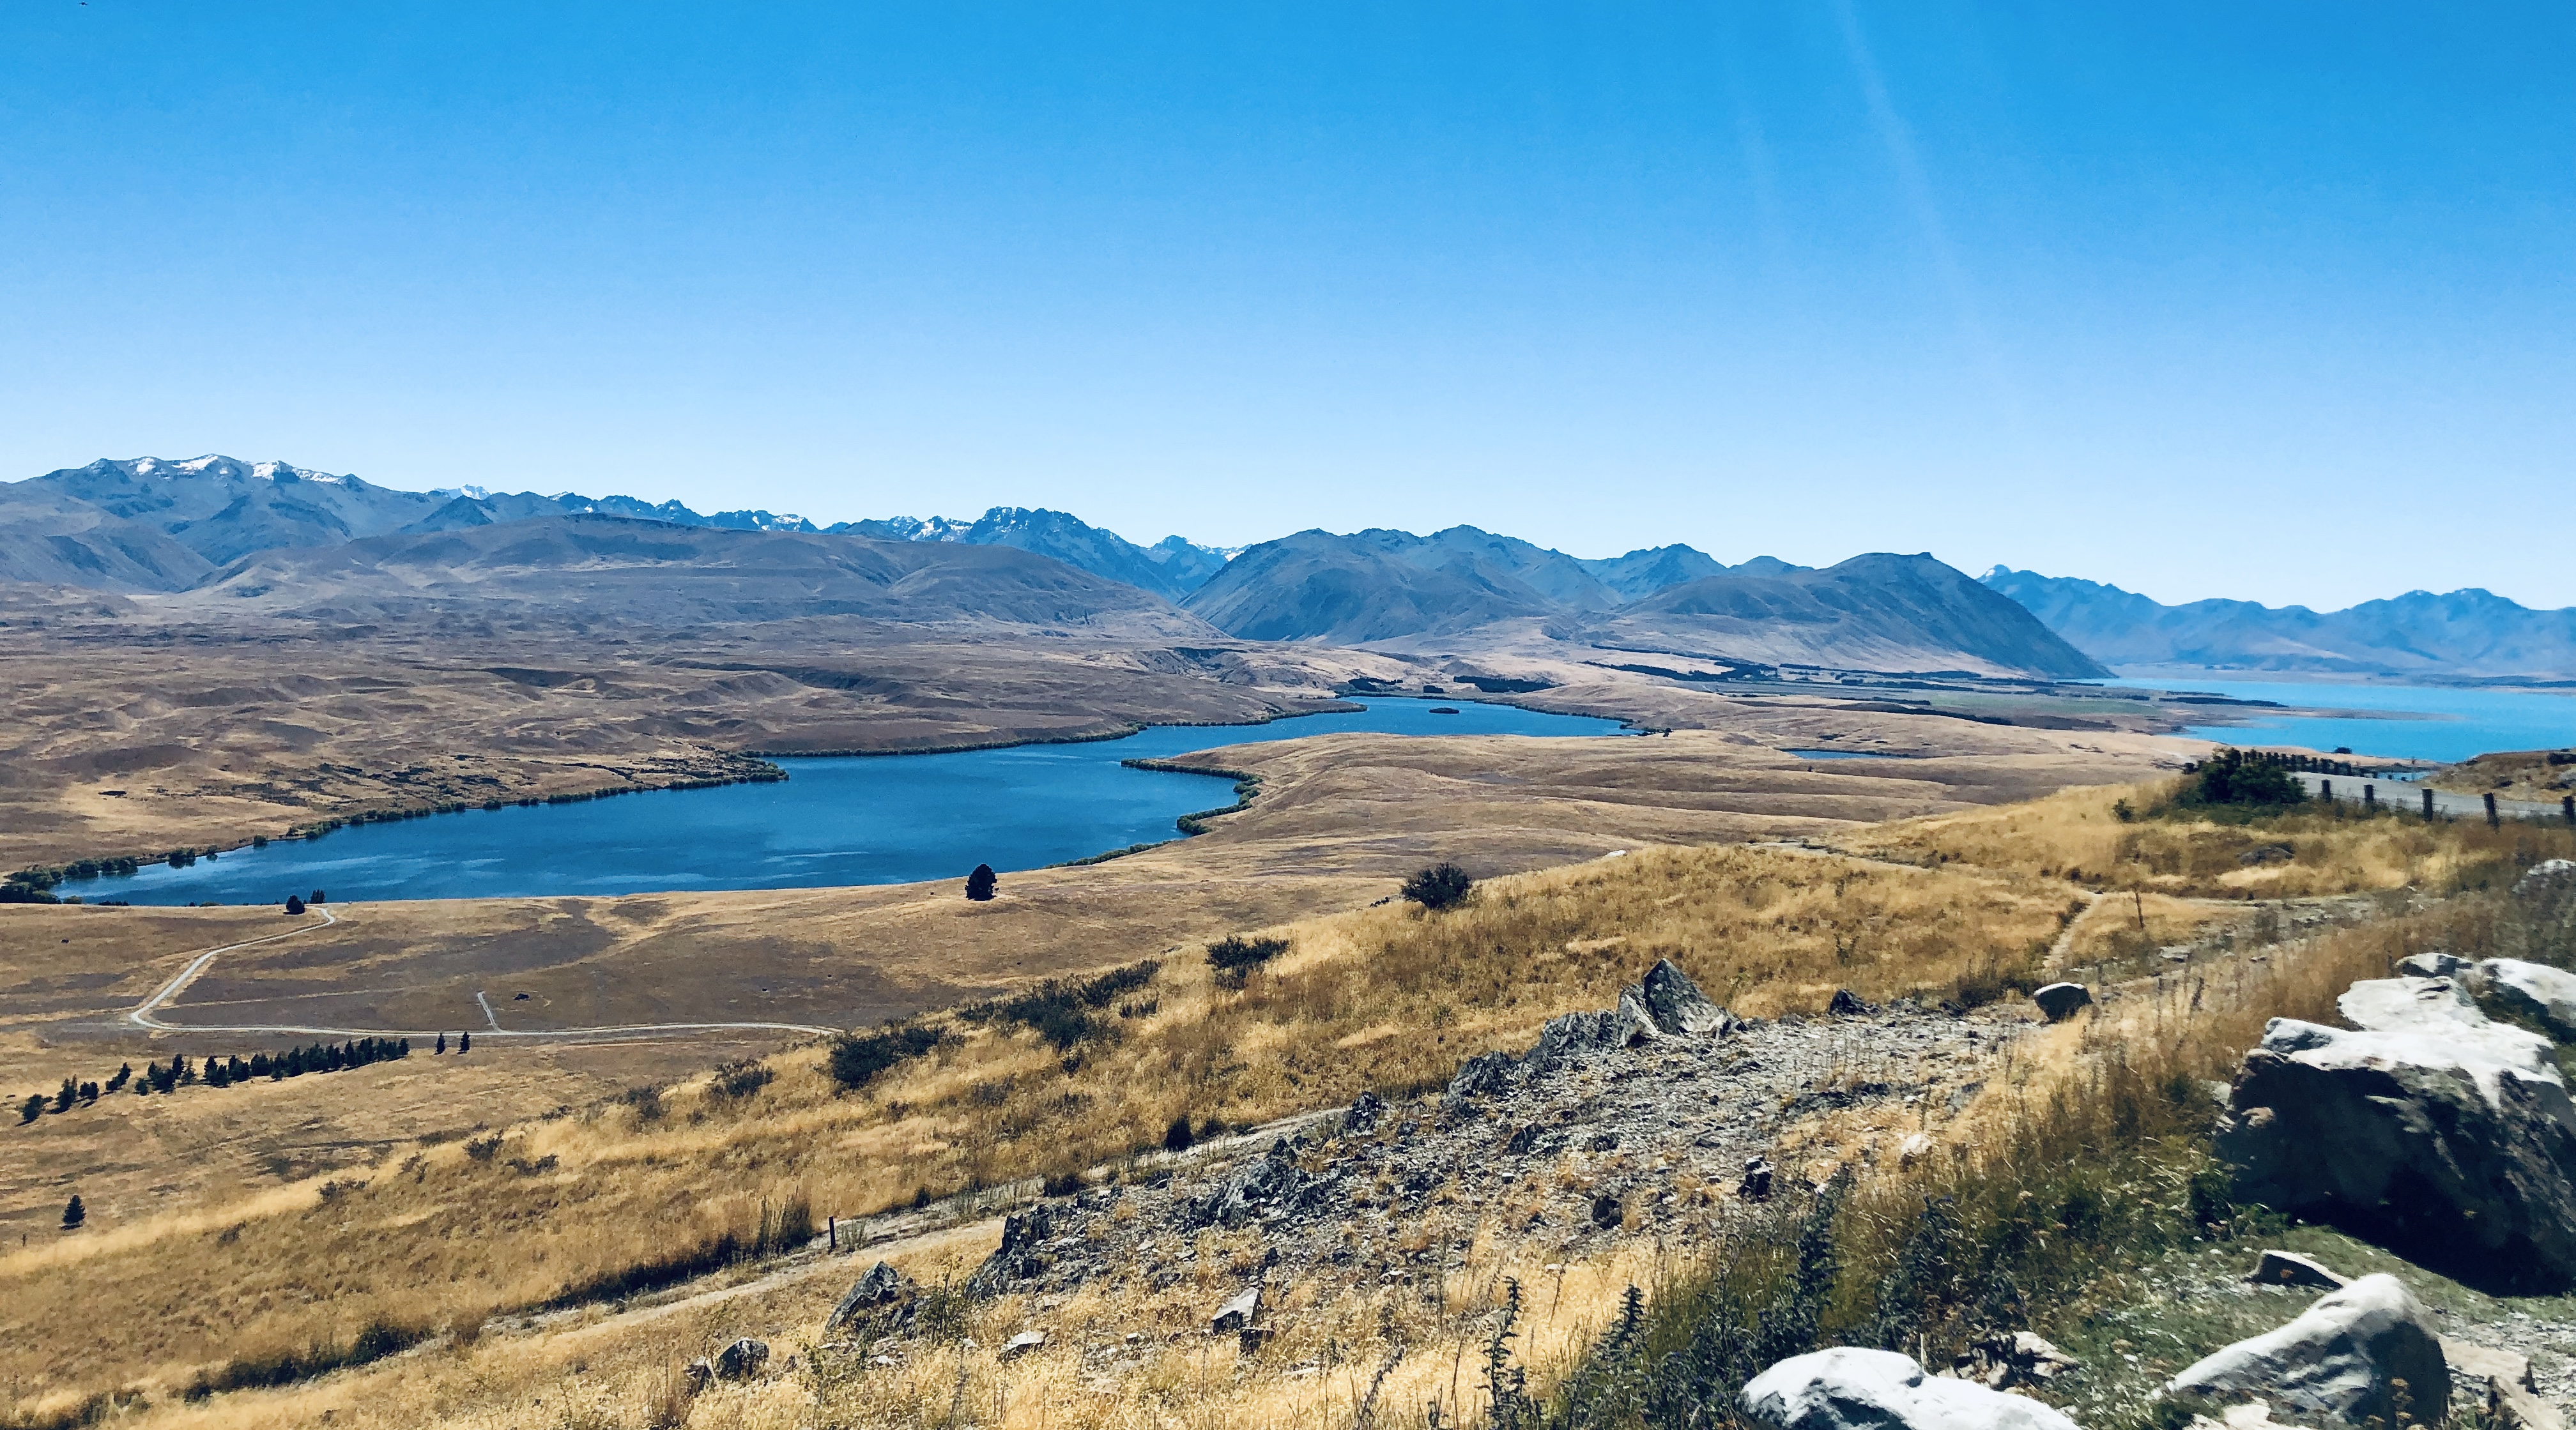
column 2333, row 849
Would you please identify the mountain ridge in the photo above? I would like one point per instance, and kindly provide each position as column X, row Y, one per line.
column 2469, row 632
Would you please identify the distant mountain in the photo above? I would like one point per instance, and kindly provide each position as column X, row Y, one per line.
column 596, row 567
column 1643, row 573
column 1172, row 568
column 2462, row 633
column 1873, row 612
column 50, row 537
column 1371, row 585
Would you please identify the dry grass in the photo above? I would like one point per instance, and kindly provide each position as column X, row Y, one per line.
column 1384, row 998
column 2077, row 835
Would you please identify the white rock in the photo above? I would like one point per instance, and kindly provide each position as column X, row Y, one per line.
column 2442, row 1008
column 2289, row 1268
column 1849, row 1388
column 2535, row 990
column 1021, row 1344
column 2342, row 1357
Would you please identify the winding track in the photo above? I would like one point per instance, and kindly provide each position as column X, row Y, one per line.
column 144, row 1014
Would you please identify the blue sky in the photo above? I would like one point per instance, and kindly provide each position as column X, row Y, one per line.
column 2269, row 301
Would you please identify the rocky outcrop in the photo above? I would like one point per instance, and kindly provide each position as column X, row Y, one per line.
column 2006, row 1359
column 2503, row 1380
column 1019, row 1257
column 2369, row 1351
column 1266, row 1188
column 1664, row 1004
column 2445, row 1135
column 2289, row 1268
column 1849, row 1388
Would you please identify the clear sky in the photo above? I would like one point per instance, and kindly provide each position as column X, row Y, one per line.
column 2273, row 301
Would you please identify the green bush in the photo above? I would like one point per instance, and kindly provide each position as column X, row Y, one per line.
column 2245, row 779
column 1234, row 957
column 1442, row 886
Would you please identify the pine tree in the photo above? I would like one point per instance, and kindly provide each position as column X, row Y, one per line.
column 89, row 1092
column 980, row 884
column 74, row 1214
column 317, row 897
column 63, row 1099
column 442, row 1045
column 294, row 905
column 465, row 1042
column 32, row 1108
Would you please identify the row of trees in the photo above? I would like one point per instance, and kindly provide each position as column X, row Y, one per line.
column 223, row 1072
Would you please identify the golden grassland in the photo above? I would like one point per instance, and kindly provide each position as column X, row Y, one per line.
column 2078, row 836
column 1381, row 998
column 2540, row 776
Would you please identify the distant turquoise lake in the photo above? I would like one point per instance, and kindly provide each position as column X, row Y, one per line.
column 2433, row 722
column 836, row 820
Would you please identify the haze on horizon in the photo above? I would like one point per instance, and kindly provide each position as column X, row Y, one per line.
column 2203, row 301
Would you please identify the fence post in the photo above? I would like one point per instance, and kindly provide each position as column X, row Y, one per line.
column 2369, row 795
column 832, row 1228
column 2492, row 821
column 2428, row 801
column 2325, row 790
column 2567, row 807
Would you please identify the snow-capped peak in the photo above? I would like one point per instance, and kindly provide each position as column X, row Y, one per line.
column 469, row 491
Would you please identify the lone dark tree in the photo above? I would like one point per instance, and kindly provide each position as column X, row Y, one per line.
column 442, row 1044
column 317, row 897
column 294, row 905
column 1442, row 886
column 74, row 1214
column 1176, row 1138
column 979, row 885
column 465, row 1042
column 32, row 1108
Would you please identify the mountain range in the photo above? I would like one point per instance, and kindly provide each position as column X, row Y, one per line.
column 274, row 537
column 2467, row 633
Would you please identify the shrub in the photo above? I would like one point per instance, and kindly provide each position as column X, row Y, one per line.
column 74, row 1213
column 1234, row 957
column 737, row 1080
column 1177, row 1138
column 1059, row 1010
column 857, row 1058
column 1442, row 886
column 32, row 1108
column 979, row 885
column 2240, row 778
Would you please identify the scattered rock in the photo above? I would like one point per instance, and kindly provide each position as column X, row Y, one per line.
column 1756, row 1186
column 2432, row 1144
column 698, row 1373
column 742, row 1360
column 2536, row 991
column 1265, row 1187
column 2267, row 854
column 2345, row 1356
column 2432, row 965
column 1913, row 1149
column 2289, row 1268
column 1846, row 1004
column 1848, row 1388
column 882, row 1286
column 2060, row 1001
column 2511, row 1393
column 1237, row 1314
column 1021, row 1344
column 2010, row 1358
column 1362, row 1119
column 2550, row 876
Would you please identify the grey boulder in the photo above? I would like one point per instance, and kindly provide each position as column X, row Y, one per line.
column 882, row 1286
column 2365, row 1352
column 1849, row 1388
column 742, row 1360
column 2442, row 1008
column 2289, row 1268
column 2061, row 1001
column 2426, row 1142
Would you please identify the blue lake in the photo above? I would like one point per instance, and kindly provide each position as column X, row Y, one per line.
column 836, row 820
column 2422, row 722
